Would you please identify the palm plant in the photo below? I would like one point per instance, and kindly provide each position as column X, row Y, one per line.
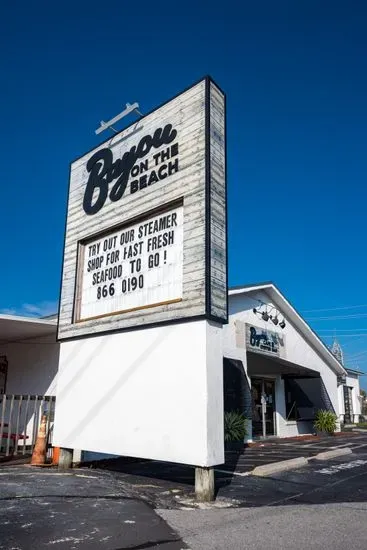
column 235, row 426
column 325, row 421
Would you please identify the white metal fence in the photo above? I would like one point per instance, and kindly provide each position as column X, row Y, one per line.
column 20, row 417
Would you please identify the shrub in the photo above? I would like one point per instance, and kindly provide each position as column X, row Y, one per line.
column 362, row 425
column 235, row 424
column 325, row 421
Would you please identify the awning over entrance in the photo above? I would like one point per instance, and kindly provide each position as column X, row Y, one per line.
column 271, row 366
column 296, row 400
column 14, row 328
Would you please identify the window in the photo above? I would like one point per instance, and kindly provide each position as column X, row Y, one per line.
column 3, row 373
column 291, row 404
column 297, row 398
column 348, row 404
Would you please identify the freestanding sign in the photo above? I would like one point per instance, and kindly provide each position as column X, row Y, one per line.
column 144, row 288
column 146, row 223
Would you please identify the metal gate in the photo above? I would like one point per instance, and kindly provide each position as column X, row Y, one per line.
column 20, row 417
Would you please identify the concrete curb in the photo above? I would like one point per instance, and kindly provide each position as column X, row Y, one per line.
column 299, row 462
column 275, row 467
column 332, row 454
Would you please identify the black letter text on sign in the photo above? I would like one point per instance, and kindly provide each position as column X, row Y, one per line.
column 103, row 170
column 135, row 267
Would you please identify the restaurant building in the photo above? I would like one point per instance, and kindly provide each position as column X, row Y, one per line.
column 275, row 369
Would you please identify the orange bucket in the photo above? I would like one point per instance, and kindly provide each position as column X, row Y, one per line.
column 55, row 455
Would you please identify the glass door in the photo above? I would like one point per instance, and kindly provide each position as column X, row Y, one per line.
column 269, row 395
column 348, row 405
column 257, row 413
column 263, row 407
column 3, row 374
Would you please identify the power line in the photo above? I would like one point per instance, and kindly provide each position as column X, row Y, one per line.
column 337, row 317
column 349, row 344
column 351, row 363
column 356, row 360
column 361, row 352
column 332, row 335
column 336, row 330
column 333, row 308
column 354, row 356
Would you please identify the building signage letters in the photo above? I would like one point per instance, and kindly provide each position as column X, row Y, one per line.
column 262, row 340
column 139, row 265
column 103, row 170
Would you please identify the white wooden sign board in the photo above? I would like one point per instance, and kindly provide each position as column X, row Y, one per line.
column 146, row 238
column 136, row 267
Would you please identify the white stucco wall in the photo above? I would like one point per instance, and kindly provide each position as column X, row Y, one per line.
column 32, row 366
column 298, row 351
column 156, row 393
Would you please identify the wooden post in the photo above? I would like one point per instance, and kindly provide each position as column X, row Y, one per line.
column 65, row 458
column 204, row 484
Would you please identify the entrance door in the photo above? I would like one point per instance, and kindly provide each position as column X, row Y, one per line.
column 348, row 405
column 263, row 407
column 3, row 373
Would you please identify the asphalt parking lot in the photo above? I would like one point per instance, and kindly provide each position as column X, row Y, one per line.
column 278, row 450
column 76, row 510
column 163, row 484
column 145, row 504
column 343, row 479
column 321, row 506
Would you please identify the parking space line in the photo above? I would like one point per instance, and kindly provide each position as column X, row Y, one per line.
column 341, row 446
column 243, row 474
column 358, row 446
column 336, row 468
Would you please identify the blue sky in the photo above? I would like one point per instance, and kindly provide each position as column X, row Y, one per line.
column 296, row 81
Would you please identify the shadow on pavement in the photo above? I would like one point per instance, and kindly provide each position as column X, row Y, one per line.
column 150, row 544
column 166, row 472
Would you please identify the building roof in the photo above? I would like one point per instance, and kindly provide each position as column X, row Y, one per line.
column 14, row 328
column 52, row 316
column 354, row 371
column 249, row 286
column 295, row 318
